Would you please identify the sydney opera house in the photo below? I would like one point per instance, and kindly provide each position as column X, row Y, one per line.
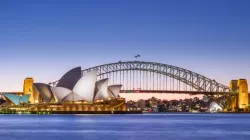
column 73, row 93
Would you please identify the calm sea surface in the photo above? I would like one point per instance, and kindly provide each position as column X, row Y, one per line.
column 126, row 127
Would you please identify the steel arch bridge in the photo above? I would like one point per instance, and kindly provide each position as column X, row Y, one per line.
column 151, row 76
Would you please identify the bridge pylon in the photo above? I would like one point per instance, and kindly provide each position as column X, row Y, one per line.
column 234, row 98
column 240, row 100
column 243, row 102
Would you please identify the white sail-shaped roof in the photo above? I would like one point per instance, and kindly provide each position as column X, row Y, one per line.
column 86, row 85
column 45, row 92
column 60, row 92
column 69, row 79
column 101, row 90
column 114, row 90
column 35, row 97
column 72, row 97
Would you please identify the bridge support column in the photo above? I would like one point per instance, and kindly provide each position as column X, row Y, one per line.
column 233, row 99
column 243, row 94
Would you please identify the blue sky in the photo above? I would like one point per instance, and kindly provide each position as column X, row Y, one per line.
column 44, row 39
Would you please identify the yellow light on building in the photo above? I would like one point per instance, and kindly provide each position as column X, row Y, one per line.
column 28, row 86
column 234, row 88
column 243, row 94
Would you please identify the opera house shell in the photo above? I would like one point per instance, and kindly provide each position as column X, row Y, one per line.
column 75, row 87
column 17, row 99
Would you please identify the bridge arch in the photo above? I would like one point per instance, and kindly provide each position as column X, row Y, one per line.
column 195, row 80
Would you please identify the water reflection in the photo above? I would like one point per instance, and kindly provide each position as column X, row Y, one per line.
column 113, row 127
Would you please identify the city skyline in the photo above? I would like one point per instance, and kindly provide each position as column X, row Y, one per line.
column 44, row 39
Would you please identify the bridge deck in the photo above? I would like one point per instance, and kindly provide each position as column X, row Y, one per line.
column 177, row 92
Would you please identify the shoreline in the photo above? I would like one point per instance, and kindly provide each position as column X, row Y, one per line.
column 110, row 113
column 73, row 112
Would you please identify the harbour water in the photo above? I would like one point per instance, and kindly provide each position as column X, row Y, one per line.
column 126, row 127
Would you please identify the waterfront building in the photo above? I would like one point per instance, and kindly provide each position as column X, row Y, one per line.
column 28, row 85
column 215, row 107
column 73, row 92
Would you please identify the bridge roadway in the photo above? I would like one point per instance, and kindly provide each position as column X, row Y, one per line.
column 178, row 92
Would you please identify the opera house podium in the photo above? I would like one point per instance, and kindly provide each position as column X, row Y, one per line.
column 73, row 94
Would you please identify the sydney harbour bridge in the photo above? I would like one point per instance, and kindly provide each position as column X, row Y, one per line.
column 151, row 77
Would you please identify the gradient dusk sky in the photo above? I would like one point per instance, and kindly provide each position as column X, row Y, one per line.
column 44, row 39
